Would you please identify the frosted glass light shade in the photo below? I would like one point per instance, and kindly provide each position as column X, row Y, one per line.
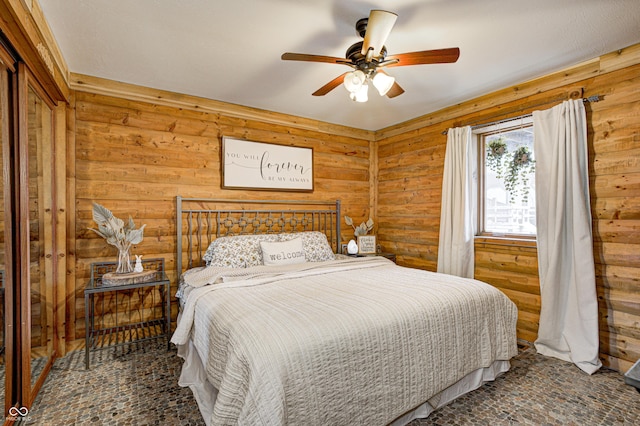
column 353, row 81
column 361, row 95
column 383, row 82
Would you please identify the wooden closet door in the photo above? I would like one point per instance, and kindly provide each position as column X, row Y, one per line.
column 37, row 224
column 7, row 194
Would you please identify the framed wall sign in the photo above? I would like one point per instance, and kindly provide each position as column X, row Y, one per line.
column 266, row 166
column 366, row 244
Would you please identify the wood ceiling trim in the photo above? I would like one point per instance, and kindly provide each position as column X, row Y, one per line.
column 604, row 64
column 96, row 85
column 29, row 34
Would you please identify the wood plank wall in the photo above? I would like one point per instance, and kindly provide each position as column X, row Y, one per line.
column 410, row 167
column 134, row 149
column 135, row 156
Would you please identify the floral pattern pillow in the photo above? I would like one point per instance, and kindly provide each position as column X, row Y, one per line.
column 315, row 244
column 239, row 251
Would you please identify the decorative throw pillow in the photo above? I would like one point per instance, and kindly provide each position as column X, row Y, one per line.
column 239, row 251
column 283, row 252
column 208, row 255
column 315, row 244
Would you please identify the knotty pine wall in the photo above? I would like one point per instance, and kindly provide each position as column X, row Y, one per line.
column 411, row 162
column 136, row 151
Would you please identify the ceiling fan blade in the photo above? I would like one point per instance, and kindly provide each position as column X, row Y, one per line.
column 395, row 90
column 312, row 58
column 330, row 85
column 438, row 56
column 378, row 28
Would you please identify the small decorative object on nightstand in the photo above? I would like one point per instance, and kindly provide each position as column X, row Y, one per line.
column 366, row 244
column 138, row 268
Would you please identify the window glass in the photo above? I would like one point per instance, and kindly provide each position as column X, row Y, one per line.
column 509, row 189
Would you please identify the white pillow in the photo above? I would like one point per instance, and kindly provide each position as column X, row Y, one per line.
column 315, row 244
column 283, row 252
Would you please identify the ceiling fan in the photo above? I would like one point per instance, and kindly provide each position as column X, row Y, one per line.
column 369, row 56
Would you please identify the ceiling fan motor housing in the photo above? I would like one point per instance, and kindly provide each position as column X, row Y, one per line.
column 354, row 54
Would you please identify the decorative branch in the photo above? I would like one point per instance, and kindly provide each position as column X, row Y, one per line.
column 362, row 229
column 117, row 233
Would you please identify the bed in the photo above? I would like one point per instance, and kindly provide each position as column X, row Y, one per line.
column 278, row 327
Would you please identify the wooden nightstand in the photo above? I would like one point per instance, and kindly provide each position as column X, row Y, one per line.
column 104, row 330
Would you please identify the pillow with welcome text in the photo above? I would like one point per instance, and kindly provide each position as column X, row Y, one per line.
column 282, row 252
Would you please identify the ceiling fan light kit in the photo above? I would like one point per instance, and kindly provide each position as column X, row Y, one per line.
column 353, row 81
column 361, row 94
column 383, row 82
column 356, row 82
column 368, row 56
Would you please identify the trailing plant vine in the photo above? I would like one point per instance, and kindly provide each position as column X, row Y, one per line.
column 495, row 152
column 514, row 168
column 521, row 166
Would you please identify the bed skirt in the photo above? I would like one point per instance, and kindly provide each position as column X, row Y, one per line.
column 193, row 375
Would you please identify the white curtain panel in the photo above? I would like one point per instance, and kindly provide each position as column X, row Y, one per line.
column 569, row 313
column 458, row 211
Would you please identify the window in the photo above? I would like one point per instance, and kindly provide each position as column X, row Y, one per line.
column 507, row 182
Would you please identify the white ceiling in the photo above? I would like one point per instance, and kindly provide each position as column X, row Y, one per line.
column 230, row 50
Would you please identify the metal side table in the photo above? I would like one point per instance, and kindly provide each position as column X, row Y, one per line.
column 109, row 324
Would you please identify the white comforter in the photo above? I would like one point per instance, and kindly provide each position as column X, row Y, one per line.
column 358, row 341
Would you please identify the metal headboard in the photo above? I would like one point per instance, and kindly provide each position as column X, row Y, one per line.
column 199, row 221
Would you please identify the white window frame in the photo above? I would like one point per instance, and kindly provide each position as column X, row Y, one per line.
column 479, row 133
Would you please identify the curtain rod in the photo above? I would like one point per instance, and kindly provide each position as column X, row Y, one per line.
column 594, row 98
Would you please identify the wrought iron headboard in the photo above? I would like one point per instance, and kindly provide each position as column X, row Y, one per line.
column 201, row 220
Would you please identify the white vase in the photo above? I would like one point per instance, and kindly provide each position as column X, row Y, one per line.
column 352, row 247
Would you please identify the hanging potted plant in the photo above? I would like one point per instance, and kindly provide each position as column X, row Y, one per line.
column 513, row 168
column 496, row 150
column 521, row 165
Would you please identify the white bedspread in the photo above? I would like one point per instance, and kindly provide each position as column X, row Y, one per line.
column 360, row 341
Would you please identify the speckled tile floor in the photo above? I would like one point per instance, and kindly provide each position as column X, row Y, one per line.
column 140, row 388
column 134, row 386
